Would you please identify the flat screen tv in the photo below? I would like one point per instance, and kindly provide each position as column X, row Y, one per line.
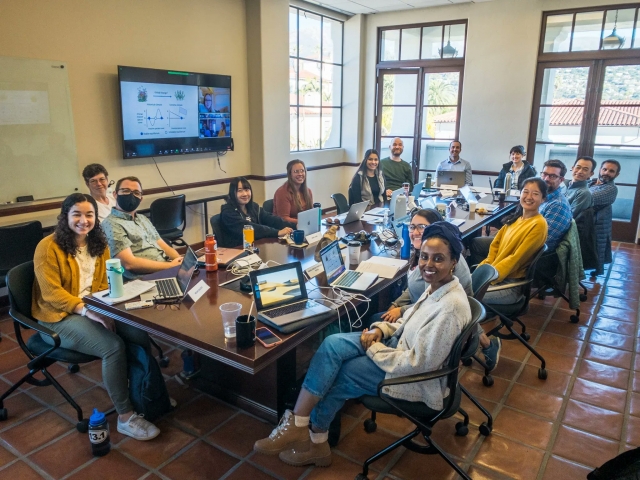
column 166, row 112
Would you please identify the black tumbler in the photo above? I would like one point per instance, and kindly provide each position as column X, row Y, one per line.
column 245, row 331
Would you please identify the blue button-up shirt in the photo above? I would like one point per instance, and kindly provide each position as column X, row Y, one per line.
column 557, row 212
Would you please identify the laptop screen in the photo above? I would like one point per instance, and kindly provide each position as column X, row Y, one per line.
column 278, row 285
column 186, row 270
column 332, row 261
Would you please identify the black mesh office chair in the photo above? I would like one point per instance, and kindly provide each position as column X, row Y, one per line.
column 169, row 216
column 40, row 354
column 509, row 314
column 19, row 243
column 341, row 203
column 417, row 412
column 267, row 206
column 216, row 228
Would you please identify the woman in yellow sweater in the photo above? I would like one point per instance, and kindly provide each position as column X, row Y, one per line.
column 69, row 265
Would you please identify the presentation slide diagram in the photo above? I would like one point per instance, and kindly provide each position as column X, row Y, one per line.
column 153, row 110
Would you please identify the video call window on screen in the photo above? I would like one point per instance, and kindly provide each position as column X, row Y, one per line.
column 213, row 111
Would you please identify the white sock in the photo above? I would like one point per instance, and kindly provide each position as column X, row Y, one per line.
column 319, row 437
column 301, row 421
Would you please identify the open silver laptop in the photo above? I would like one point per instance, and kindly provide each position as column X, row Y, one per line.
column 309, row 221
column 280, row 294
column 354, row 214
column 176, row 288
column 337, row 273
column 451, row 178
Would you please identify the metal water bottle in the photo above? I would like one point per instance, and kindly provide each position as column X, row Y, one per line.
column 507, row 183
column 427, row 181
column 319, row 207
column 405, row 252
column 114, row 277
column 99, row 434
column 210, row 253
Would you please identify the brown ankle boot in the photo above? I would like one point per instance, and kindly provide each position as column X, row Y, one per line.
column 284, row 437
column 318, row 454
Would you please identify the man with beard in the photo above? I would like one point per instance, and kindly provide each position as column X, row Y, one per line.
column 456, row 164
column 132, row 238
column 604, row 193
column 395, row 170
column 556, row 209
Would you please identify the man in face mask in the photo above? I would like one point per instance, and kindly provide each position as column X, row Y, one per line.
column 132, row 238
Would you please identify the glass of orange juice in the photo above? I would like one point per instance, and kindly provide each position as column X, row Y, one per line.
column 248, row 237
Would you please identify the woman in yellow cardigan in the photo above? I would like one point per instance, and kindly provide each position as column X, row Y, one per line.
column 69, row 265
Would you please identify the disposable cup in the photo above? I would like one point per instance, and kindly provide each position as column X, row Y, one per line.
column 230, row 311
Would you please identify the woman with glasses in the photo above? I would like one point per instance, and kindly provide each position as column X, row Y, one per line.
column 368, row 183
column 69, row 265
column 241, row 210
column 294, row 196
column 519, row 168
column 96, row 178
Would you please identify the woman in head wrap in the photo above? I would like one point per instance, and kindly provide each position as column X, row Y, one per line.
column 349, row 365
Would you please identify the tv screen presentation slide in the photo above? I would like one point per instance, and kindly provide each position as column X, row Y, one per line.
column 153, row 110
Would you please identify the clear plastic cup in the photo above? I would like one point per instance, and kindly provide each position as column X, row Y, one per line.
column 230, row 311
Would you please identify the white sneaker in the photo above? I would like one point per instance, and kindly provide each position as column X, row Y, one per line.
column 139, row 428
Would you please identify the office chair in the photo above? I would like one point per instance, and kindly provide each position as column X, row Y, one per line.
column 169, row 216
column 417, row 412
column 19, row 243
column 341, row 203
column 40, row 354
column 216, row 228
column 509, row 313
column 267, row 206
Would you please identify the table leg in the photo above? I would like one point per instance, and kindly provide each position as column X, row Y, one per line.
column 286, row 391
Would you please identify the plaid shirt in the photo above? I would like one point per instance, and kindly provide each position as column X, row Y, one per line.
column 603, row 195
column 557, row 212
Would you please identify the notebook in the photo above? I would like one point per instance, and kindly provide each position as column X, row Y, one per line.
column 337, row 273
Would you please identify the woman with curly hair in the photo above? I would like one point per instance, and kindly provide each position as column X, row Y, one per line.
column 69, row 265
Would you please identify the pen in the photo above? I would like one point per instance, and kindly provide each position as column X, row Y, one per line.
column 106, row 294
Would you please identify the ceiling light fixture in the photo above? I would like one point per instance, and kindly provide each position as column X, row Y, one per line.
column 448, row 51
column 613, row 40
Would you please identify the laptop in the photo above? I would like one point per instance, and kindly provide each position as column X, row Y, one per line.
column 450, row 178
column 280, row 294
column 309, row 221
column 417, row 190
column 176, row 288
column 354, row 214
column 469, row 195
column 394, row 195
column 337, row 273
column 508, row 198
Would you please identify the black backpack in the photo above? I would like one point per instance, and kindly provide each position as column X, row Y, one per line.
column 147, row 390
column 625, row 466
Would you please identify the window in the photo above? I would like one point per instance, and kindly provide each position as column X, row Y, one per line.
column 420, row 70
column 587, row 98
column 315, row 81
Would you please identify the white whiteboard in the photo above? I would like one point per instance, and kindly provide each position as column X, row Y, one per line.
column 37, row 141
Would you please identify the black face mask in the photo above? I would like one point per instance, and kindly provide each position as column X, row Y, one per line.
column 128, row 203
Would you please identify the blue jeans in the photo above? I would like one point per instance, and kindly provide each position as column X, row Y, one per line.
column 86, row 336
column 340, row 370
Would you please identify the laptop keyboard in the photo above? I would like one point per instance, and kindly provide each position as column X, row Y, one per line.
column 348, row 279
column 167, row 288
column 287, row 309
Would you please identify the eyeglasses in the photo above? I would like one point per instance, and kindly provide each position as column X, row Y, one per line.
column 173, row 306
column 420, row 227
column 96, row 181
column 126, row 191
column 298, row 172
column 550, row 176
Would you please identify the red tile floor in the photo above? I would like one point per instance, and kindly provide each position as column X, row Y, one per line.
column 586, row 412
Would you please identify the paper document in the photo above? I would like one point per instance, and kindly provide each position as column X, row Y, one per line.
column 455, row 221
column 487, row 206
column 371, row 218
column 378, row 211
column 448, row 193
column 383, row 266
column 131, row 290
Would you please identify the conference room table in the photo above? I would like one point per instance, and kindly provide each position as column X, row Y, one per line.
column 260, row 380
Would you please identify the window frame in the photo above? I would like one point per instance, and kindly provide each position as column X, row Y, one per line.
column 321, row 63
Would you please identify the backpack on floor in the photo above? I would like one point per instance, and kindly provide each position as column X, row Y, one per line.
column 625, row 466
column 147, row 390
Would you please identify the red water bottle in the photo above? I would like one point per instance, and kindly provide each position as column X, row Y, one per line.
column 210, row 253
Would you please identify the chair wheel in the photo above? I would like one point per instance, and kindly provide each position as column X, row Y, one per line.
column 461, row 429
column 525, row 336
column 574, row 319
column 73, row 368
column 485, row 429
column 583, row 297
column 361, row 477
column 467, row 362
column 83, row 426
column 487, row 381
column 542, row 374
column 541, row 295
column 164, row 362
column 3, row 414
column 370, row 426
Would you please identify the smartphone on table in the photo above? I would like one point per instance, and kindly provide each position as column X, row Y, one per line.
column 267, row 338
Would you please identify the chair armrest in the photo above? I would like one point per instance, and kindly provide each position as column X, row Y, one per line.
column 506, row 286
column 27, row 322
column 418, row 377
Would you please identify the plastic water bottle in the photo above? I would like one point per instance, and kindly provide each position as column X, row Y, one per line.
column 99, row 434
column 405, row 252
column 385, row 219
column 507, row 183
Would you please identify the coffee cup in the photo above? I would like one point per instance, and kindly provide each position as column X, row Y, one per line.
column 298, row 237
column 245, row 331
column 354, row 252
